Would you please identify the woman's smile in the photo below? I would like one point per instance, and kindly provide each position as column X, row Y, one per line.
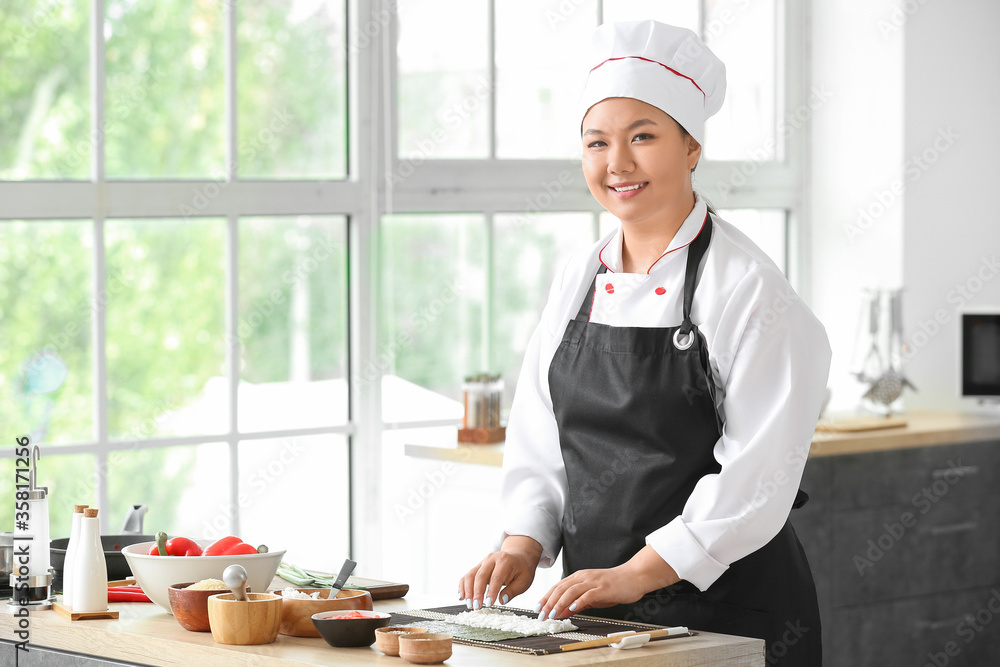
column 627, row 190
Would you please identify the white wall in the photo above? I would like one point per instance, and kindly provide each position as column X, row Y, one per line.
column 856, row 162
column 952, row 231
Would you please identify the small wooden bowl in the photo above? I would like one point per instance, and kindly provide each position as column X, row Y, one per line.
column 190, row 608
column 387, row 639
column 254, row 621
column 425, row 648
column 296, row 615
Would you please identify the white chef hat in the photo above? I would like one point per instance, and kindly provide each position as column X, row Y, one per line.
column 660, row 64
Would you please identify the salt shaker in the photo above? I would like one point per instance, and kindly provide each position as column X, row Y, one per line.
column 90, row 570
column 70, row 558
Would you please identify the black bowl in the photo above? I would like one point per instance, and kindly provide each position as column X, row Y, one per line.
column 344, row 632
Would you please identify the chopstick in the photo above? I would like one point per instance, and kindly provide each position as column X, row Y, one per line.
column 614, row 639
column 122, row 582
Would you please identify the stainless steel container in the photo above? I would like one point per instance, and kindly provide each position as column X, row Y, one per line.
column 6, row 563
column 6, row 555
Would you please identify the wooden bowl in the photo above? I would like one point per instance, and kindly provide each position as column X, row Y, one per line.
column 253, row 621
column 296, row 615
column 387, row 639
column 425, row 648
column 190, row 608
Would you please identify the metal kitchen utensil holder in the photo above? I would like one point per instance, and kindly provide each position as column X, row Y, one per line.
column 881, row 366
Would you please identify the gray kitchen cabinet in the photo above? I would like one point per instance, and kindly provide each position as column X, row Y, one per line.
column 37, row 656
column 905, row 549
column 936, row 630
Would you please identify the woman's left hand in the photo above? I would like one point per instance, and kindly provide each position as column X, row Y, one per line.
column 590, row 588
column 585, row 589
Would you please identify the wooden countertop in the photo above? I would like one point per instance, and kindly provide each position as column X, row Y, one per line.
column 924, row 428
column 487, row 455
column 146, row 634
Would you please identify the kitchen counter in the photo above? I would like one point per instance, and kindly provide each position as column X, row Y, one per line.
column 924, row 428
column 146, row 634
column 487, row 455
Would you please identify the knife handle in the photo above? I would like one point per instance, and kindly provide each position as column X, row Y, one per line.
column 617, row 637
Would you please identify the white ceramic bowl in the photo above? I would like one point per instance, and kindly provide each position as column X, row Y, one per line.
column 155, row 574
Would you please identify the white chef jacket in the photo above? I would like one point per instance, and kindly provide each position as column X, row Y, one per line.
column 770, row 358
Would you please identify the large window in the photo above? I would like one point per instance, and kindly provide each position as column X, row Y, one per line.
column 250, row 248
column 176, row 333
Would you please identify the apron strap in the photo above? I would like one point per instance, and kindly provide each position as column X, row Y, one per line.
column 696, row 250
column 588, row 301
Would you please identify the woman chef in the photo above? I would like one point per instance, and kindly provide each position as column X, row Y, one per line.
column 669, row 395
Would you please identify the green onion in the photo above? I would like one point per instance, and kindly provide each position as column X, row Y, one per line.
column 306, row 578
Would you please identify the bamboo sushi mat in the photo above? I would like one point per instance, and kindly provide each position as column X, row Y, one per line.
column 588, row 627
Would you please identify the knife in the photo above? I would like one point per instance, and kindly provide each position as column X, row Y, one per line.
column 338, row 584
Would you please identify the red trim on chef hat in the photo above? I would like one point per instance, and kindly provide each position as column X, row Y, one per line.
column 660, row 64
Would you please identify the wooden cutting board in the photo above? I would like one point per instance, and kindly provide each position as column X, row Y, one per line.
column 380, row 590
column 852, row 425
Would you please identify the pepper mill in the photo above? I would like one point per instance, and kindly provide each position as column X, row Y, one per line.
column 90, row 570
column 71, row 548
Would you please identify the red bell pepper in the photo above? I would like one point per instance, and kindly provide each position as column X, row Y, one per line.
column 175, row 546
column 229, row 546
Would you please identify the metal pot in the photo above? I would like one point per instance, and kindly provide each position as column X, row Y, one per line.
column 117, row 565
column 6, row 561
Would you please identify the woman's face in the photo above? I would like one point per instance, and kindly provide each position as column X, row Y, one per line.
column 637, row 160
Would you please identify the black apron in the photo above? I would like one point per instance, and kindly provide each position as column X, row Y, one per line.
column 637, row 424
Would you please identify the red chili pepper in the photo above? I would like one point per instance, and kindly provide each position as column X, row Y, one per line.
column 127, row 594
column 175, row 546
column 229, row 546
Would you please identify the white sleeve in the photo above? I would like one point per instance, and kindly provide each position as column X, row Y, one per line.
column 533, row 487
column 774, row 361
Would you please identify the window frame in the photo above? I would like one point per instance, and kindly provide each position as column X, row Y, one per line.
column 100, row 199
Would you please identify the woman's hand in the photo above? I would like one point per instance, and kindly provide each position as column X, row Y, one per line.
column 585, row 589
column 503, row 575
